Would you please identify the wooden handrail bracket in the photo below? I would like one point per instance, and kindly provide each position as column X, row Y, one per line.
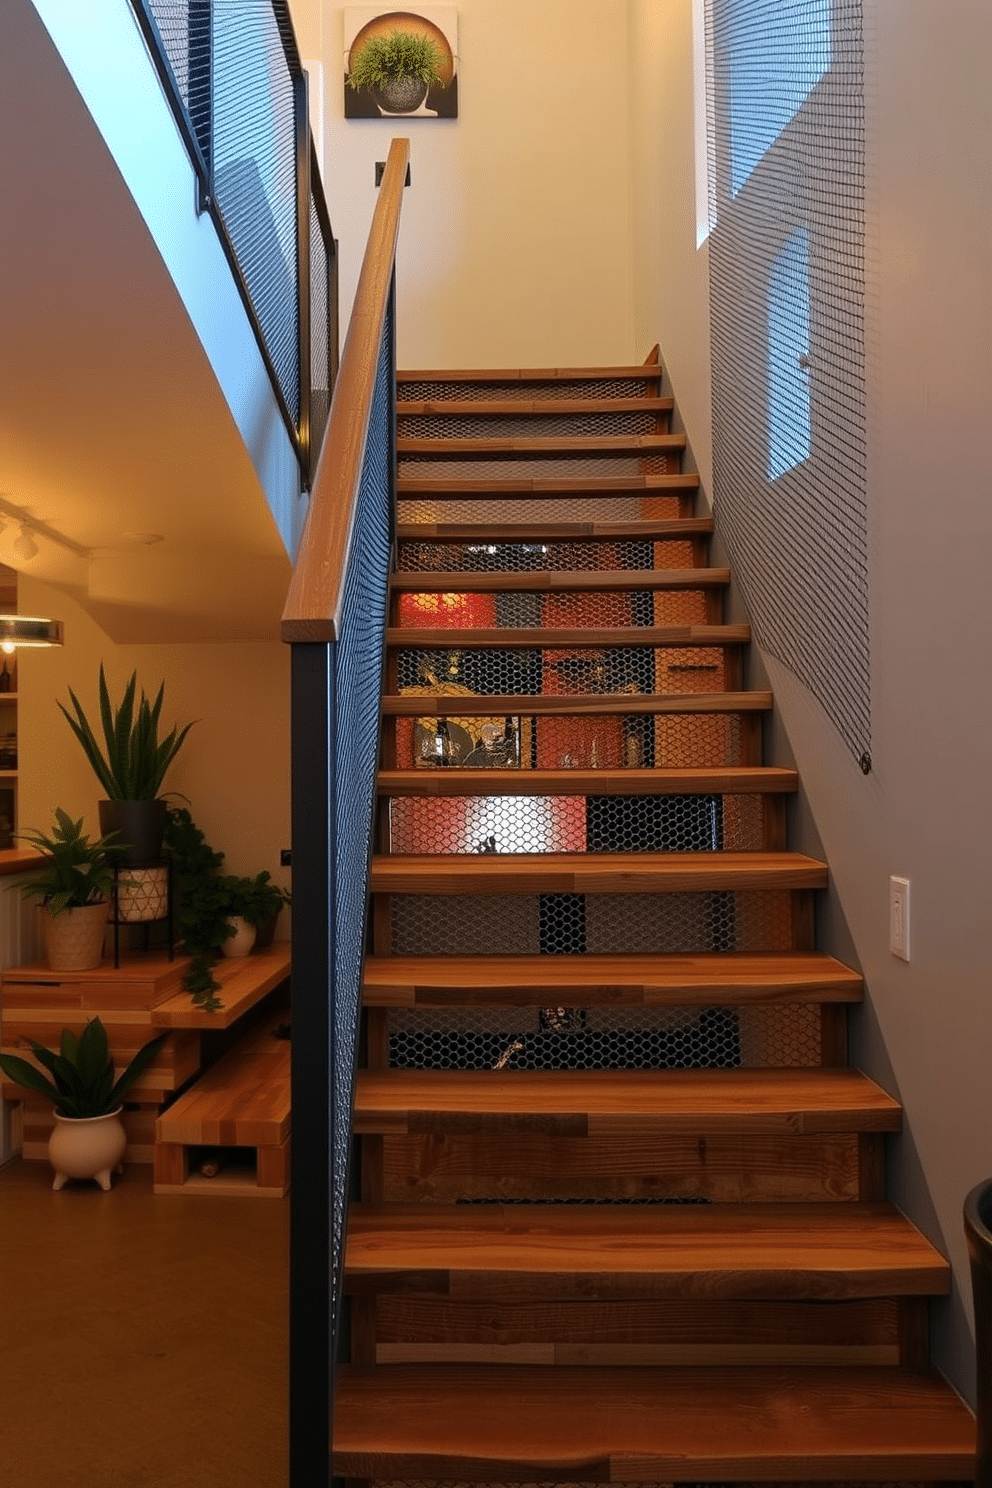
column 313, row 604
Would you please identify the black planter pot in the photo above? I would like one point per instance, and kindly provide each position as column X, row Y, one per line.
column 400, row 95
column 978, row 1232
column 141, row 825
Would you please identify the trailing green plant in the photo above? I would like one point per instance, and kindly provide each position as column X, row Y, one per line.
column 401, row 54
column 257, row 899
column 76, row 871
column 82, row 1073
column 200, row 903
column 132, row 762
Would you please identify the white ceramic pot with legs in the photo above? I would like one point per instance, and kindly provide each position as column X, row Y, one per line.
column 87, row 1147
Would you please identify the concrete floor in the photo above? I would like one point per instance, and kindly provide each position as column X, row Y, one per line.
column 143, row 1340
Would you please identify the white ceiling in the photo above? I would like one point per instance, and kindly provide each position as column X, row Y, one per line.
column 112, row 424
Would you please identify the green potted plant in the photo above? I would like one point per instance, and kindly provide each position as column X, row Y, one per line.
column 130, row 765
column 252, row 906
column 75, row 885
column 397, row 69
column 89, row 1138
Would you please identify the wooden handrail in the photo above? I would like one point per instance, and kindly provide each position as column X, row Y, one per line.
column 313, row 604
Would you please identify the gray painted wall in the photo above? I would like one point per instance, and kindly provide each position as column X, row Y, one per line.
column 925, row 1031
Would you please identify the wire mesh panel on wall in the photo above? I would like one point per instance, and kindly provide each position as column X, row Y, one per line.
column 786, row 159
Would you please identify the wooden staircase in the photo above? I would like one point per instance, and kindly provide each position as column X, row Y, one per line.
column 622, row 1209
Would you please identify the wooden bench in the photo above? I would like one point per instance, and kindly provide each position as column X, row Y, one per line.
column 243, row 1101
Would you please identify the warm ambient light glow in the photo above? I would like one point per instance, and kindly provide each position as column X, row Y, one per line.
column 28, row 630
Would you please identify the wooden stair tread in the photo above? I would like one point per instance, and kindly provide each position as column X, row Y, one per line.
column 591, row 873
column 543, row 581
column 526, row 407
column 649, row 372
column 527, row 1424
column 509, row 532
column 566, row 638
column 559, row 444
column 242, row 1100
column 244, row 982
column 542, row 1252
column 499, row 704
column 707, row 780
column 527, row 487
column 582, row 1103
column 703, row 980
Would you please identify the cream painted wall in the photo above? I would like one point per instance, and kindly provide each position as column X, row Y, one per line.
column 515, row 247
column 234, row 766
column 923, row 813
column 671, row 274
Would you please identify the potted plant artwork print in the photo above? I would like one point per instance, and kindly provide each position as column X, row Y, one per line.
column 400, row 63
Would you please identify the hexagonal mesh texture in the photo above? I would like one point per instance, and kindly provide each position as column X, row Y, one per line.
column 572, row 555
column 560, row 507
column 429, row 391
column 607, row 924
column 555, row 824
column 597, row 1038
column 536, row 467
column 539, row 426
column 556, row 611
column 574, row 671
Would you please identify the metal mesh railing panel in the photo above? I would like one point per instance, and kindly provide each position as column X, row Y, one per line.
column 321, row 329
column 534, row 426
column 535, row 467
column 229, row 72
column 518, row 390
column 787, row 290
column 358, row 685
column 600, row 924
column 596, row 1038
column 572, row 555
column 590, row 742
column 254, row 171
column 556, row 824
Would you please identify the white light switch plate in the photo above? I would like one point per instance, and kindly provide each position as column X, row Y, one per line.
column 899, row 917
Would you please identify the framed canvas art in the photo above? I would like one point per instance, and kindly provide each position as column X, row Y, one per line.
column 400, row 63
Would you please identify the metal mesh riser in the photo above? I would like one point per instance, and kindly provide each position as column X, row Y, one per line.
column 536, row 467
column 520, row 390
column 561, row 611
column 561, row 508
column 605, row 742
column 572, row 671
column 601, row 1038
column 604, row 924
column 558, row 824
column 549, row 426
column 539, row 557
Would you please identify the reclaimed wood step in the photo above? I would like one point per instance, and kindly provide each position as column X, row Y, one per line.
column 595, row 873
column 558, row 581
column 552, row 532
column 621, row 1104
column 543, row 1253
column 648, row 372
column 525, row 407
column 546, row 639
column 452, row 781
column 527, row 487
column 561, row 444
column 619, row 981
column 501, row 1424
column 440, row 705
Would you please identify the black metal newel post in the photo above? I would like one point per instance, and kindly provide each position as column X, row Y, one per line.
column 311, row 1259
